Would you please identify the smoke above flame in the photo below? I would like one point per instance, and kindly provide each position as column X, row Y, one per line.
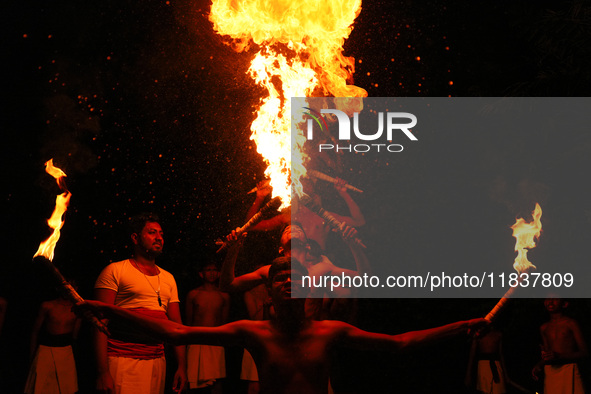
column 525, row 234
column 300, row 55
column 47, row 247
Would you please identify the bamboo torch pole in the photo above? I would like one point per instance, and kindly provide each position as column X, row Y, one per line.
column 327, row 178
column 505, row 299
column 272, row 205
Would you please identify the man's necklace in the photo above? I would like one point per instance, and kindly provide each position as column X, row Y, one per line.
column 157, row 275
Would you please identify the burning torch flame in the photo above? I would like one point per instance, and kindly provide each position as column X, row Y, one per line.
column 44, row 254
column 301, row 56
column 525, row 234
column 56, row 222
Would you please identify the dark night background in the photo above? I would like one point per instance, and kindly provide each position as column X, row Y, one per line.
column 145, row 108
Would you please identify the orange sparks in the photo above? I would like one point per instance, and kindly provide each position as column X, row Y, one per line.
column 525, row 234
column 301, row 45
column 47, row 247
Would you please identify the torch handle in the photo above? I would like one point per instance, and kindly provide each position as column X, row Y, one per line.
column 75, row 297
column 275, row 203
column 71, row 293
column 503, row 301
column 324, row 177
column 500, row 305
column 331, row 220
column 265, row 184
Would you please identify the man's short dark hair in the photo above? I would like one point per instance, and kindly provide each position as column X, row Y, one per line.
column 285, row 263
column 138, row 222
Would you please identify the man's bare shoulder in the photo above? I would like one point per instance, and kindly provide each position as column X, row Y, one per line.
column 571, row 323
column 47, row 305
column 193, row 295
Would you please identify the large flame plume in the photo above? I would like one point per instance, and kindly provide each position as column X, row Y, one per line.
column 300, row 55
column 525, row 234
column 47, row 247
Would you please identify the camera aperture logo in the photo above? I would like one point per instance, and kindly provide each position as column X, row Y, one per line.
column 378, row 141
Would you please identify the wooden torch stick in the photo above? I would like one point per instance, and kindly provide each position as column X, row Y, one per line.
column 324, row 177
column 272, row 205
column 265, row 184
column 331, row 220
column 505, row 299
column 70, row 292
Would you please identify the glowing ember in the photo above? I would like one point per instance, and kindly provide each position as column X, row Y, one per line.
column 525, row 234
column 300, row 56
column 56, row 222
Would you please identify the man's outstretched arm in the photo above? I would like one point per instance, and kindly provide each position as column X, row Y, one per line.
column 354, row 337
column 170, row 331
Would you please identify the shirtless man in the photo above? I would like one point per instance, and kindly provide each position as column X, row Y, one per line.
column 293, row 243
column 207, row 306
column 291, row 351
column 53, row 368
column 486, row 371
column 563, row 346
